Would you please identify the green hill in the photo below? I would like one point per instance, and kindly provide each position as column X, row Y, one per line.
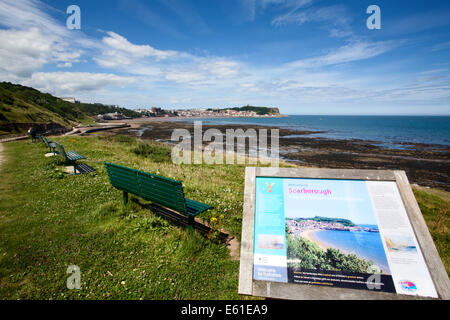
column 259, row 110
column 21, row 106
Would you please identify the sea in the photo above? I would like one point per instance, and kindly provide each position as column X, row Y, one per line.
column 394, row 132
column 364, row 244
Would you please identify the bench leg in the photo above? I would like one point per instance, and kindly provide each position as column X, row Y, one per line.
column 125, row 198
column 190, row 223
column 74, row 169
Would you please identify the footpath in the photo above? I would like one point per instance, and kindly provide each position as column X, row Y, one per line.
column 1, row 154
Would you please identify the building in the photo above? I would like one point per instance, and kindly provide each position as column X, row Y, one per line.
column 111, row 116
column 70, row 99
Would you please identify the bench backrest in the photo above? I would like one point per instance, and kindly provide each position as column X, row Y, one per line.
column 44, row 139
column 164, row 191
column 61, row 150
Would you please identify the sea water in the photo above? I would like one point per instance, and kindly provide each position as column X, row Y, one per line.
column 390, row 131
column 364, row 244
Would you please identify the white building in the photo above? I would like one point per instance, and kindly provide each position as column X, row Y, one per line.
column 70, row 99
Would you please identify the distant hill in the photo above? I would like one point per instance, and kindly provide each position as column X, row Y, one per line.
column 258, row 110
column 344, row 222
column 21, row 106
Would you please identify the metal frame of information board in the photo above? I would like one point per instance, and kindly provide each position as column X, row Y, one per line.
column 249, row 286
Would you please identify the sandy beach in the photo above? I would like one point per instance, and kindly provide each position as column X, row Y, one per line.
column 309, row 235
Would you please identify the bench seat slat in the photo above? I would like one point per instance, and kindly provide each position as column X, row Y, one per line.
column 72, row 155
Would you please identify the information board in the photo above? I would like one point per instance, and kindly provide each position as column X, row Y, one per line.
column 353, row 234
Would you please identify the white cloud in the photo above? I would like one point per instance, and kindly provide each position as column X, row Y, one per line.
column 336, row 14
column 348, row 53
column 64, row 65
column 22, row 52
column 116, row 41
column 34, row 39
column 184, row 76
column 118, row 52
column 26, row 14
column 72, row 83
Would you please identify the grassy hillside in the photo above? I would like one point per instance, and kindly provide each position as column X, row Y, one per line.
column 20, row 104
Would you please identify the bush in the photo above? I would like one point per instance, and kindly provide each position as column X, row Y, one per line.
column 311, row 256
column 122, row 138
column 157, row 153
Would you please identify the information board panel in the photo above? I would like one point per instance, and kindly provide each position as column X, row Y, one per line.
column 351, row 233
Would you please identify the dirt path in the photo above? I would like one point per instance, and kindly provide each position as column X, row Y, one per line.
column 1, row 154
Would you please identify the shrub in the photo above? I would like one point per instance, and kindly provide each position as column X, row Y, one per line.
column 156, row 153
column 122, row 138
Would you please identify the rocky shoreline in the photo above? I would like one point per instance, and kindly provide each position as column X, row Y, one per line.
column 424, row 164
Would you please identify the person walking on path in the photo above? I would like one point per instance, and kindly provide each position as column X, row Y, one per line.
column 32, row 132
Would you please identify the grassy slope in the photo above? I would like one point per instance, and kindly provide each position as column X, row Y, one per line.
column 49, row 221
column 435, row 207
column 20, row 104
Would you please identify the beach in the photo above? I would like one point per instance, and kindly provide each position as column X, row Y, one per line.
column 309, row 235
column 425, row 164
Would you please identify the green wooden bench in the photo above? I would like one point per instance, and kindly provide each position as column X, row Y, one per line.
column 160, row 190
column 69, row 157
column 50, row 144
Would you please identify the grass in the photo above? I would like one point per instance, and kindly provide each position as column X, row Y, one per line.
column 435, row 207
column 49, row 221
column 154, row 151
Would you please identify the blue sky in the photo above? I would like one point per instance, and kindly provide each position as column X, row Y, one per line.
column 349, row 199
column 304, row 56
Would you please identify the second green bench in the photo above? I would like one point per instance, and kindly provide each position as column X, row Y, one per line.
column 50, row 144
column 69, row 157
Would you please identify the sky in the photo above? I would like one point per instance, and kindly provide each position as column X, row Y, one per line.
column 349, row 199
column 303, row 56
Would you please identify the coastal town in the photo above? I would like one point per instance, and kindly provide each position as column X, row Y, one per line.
column 242, row 112
column 296, row 227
